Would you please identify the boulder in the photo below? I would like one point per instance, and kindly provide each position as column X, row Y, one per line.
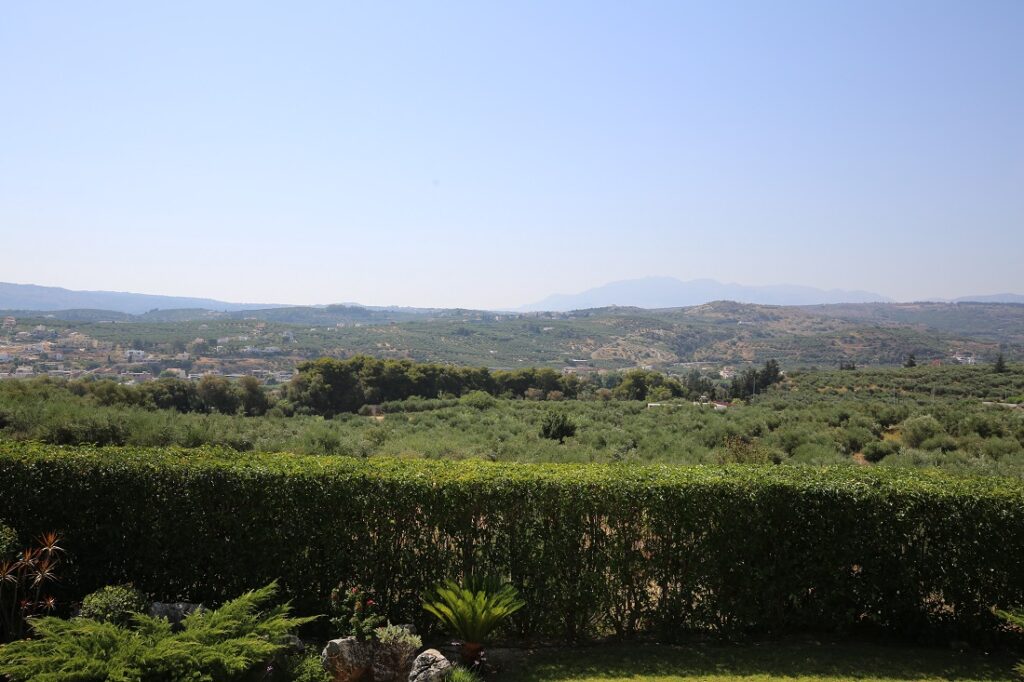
column 347, row 659
column 173, row 612
column 393, row 661
column 430, row 666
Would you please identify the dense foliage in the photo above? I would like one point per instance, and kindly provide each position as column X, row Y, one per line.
column 115, row 604
column 8, row 542
column 810, row 417
column 214, row 646
column 592, row 549
column 354, row 613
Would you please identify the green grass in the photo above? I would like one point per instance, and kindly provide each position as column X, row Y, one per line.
column 763, row 662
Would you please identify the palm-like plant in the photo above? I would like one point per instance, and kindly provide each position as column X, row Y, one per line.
column 472, row 610
column 22, row 584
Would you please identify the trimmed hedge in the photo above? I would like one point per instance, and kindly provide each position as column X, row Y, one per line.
column 594, row 549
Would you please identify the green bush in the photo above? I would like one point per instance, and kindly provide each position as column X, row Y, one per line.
column 397, row 635
column 880, row 449
column 462, row 674
column 113, row 604
column 813, row 453
column 8, row 542
column 218, row 646
column 479, row 400
column 557, row 426
column 354, row 612
column 305, row 668
column 593, row 549
column 916, row 430
column 1015, row 619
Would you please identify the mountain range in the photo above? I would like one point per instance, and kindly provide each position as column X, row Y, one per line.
column 648, row 292
column 35, row 297
column 669, row 292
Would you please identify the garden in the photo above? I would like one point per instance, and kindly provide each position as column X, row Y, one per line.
column 207, row 563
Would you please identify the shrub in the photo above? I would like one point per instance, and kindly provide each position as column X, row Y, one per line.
column 395, row 649
column 479, row 400
column 557, row 426
column 305, row 668
column 397, row 635
column 880, row 449
column 355, row 613
column 593, row 549
column 916, row 430
column 814, row 453
column 1016, row 619
column 113, row 604
column 216, row 645
column 8, row 542
column 462, row 674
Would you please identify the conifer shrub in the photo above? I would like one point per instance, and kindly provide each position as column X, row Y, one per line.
column 218, row 646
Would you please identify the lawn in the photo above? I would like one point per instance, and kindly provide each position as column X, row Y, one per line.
column 791, row 661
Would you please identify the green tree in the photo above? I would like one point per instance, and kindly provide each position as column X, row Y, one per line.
column 252, row 397
column 217, row 394
column 911, row 361
column 557, row 426
column 1000, row 364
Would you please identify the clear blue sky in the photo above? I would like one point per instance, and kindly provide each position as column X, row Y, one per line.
column 486, row 154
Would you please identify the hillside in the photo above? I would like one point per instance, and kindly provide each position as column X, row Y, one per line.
column 720, row 332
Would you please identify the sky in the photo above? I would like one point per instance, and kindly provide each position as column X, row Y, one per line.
column 485, row 155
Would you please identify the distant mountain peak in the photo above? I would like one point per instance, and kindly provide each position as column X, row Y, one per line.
column 670, row 292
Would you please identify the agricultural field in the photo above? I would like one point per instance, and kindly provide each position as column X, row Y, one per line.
column 962, row 419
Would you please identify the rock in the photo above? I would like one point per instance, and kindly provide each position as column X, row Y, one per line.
column 294, row 644
column 347, row 659
column 173, row 612
column 430, row 666
column 393, row 661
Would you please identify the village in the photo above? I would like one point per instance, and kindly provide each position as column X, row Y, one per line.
column 42, row 350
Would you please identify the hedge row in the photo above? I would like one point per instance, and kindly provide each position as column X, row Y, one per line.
column 594, row 549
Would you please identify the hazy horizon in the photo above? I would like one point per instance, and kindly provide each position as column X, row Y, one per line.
column 460, row 155
column 534, row 306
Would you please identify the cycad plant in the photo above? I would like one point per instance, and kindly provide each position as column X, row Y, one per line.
column 472, row 610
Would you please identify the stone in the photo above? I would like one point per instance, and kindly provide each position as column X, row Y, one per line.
column 347, row 659
column 430, row 666
column 173, row 612
column 393, row 661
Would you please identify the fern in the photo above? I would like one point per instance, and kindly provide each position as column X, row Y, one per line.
column 214, row 646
